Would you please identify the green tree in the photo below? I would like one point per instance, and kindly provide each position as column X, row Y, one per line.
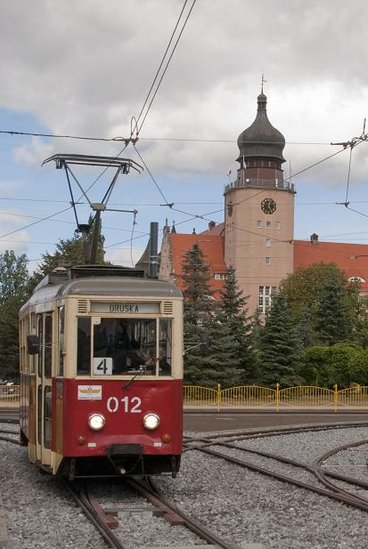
column 279, row 346
column 315, row 367
column 233, row 313
column 218, row 362
column 342, row 364
column 319, row 292
column 14, row 291
column 199, row 308
column 334, row 314
column 69, row 252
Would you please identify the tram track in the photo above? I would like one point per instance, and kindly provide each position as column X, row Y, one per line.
column 107, row 522
column 315, row 470
column 255, row 432
column 79, row 492
column 116, row 514
column 4, row 436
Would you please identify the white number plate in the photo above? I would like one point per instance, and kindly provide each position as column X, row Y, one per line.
column 102, row 366
column 127, row 405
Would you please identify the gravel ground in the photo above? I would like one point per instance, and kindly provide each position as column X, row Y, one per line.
column 254, row 508
column 41, row 514
column 238, row 504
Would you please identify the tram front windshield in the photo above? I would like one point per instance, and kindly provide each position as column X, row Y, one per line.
column 124, row 346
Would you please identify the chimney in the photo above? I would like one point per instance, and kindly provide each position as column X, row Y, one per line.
column 153, row 251
column 314, row 238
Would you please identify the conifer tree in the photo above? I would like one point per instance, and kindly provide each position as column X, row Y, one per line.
column 221, row 361
column 279, row 346
column 311, row 289
column 233, row 312
column 198, row 311
column 334, row 322
column 14, row 291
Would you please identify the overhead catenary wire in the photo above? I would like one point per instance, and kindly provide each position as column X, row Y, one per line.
column 167, row 203
column 158, row 70
column 219, row 141
column 35, row 222
column 148, row 100
column 155, row 87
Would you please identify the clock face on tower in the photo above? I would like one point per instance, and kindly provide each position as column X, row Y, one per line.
column 268, row 206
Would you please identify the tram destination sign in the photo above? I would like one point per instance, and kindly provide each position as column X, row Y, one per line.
column 125, row 307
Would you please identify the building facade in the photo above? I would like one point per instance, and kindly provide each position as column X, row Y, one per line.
column 257, row 235
column 259, row 212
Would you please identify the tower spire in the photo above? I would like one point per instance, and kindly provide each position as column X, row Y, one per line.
column 263, row 81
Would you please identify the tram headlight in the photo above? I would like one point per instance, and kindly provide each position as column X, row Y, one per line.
column 151, row 421
column 96, row 422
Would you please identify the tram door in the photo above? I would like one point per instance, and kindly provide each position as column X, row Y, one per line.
column 44, row 399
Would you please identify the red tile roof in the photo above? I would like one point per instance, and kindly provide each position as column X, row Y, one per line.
column 350, row 258
column 212, row 247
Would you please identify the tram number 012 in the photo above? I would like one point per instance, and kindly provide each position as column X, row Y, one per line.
column 130, row 405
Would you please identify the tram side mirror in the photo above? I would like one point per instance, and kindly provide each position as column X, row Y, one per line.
column 33, row 344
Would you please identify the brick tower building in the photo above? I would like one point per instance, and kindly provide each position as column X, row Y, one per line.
column 259, row 212
column 257, row 235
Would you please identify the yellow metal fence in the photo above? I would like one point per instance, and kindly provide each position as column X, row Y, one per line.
column 9, row 394
column 252, row 396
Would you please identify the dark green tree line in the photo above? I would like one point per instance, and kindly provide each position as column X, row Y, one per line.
column 226, row 358
column 14, row 291
column 315, row 309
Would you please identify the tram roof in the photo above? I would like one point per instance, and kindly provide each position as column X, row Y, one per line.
column 120, row 287
column 103, row 281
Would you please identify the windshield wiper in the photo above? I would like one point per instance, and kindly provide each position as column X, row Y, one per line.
column 137, row 375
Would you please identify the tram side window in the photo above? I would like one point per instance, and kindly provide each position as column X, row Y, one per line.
column 61, row 326
column 165, row 350
column 125, row 345
column 84, row 346
column 48, row 345
column 39, row 415
column 40, row 335
column 47, row 418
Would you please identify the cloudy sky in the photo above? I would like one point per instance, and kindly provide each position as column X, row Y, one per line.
column 84, row 68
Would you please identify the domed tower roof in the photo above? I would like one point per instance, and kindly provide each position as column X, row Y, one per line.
column 261, row 139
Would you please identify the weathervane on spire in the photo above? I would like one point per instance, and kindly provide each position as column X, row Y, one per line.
column 263, row 81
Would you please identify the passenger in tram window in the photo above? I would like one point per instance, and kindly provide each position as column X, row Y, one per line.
column 150, row 359
column 122, row 340
column 165, row 366
column 104, row 337
column 122, row 346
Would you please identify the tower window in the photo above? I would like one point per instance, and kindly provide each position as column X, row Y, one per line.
column 259, row 224
column 268, row 261
column 268, row 224
column 268, row 242
column 277, row 225
column 265, row 294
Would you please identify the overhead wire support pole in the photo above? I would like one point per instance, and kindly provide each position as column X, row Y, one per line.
column 352, row 143
column 71, row 196
column 122, row 165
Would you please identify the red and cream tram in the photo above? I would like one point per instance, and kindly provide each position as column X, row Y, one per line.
column 101, row 357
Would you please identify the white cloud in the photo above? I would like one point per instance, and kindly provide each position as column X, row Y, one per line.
column 84, row 68
column 34, row 153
